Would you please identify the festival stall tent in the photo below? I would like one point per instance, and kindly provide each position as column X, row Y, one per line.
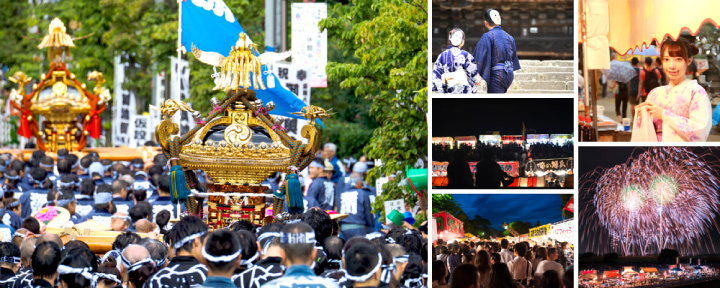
column 466, row 140
column 444, row 141
column 512, row 139
column 490, row 139
column 560, row 139
column 448, row 227
column 537, row 138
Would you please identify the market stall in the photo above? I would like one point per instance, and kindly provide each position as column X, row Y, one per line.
column 466, row 140
column 444, row 141
column 448, row 227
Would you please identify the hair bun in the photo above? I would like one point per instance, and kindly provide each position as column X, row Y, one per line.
column 110, row 262
column 693, row 49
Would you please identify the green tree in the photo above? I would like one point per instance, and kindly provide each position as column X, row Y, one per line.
column 389, row 40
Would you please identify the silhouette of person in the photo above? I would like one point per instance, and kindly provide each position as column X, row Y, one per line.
column 458, row 172
column 488, row 174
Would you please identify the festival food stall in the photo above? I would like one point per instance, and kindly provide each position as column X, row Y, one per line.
column 560, row 139
column 448, row 227
column 537, row 138
column 444, row 141
column 466, row 140
column 490, row 139
column 512, row 139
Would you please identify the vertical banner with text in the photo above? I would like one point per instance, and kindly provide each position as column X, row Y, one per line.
column 124, row 107
column 296, row 79
column 309, row 44
column 184, row 119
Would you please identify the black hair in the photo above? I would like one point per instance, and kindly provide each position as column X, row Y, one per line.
column 464, row 275
column 248, row 244
column 520, row 248
column 106, row 207
column 395, row 233
column 47, row 161
column 45, row 259
column 37, row 155
column 568, row 278
column 9, row 249
column 80, row 248
column 31, row 224
column 138, row 162
column 333, row 248
column 38, row 174
column 242, row 225
column 488, row 18
column 62, row 153
column 635, row 61
column 360, row 259
column 64, row 166
column 160, row 160
column 298, row 252
column 161, row 219
column 319, row 220
column 439, row 270
column 17, row 165
column 414, row 267
column 86, row 161
column 187, row 226
column 164, row 184
column 411, row 242
column 222, row 243
column 271, row 227
column 124, row 239
column 73, row 159
column 550, row 278
column 379, row 240
column 139, row 276
column 106, row 162
column 154, row 172
column 75, row 279
column 138, row 212
column 354, row 241
column 109, row 267
column 139, row 194
column 12, row 183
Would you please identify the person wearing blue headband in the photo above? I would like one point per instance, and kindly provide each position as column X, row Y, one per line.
column 496, row 55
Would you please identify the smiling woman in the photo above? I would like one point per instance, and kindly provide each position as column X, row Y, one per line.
column 681, row 110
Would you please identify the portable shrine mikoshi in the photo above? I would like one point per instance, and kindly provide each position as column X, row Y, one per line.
column 67, row 110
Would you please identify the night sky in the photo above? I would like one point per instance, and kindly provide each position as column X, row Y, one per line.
column 607, row 157
column 499, row 208
column 453, row 117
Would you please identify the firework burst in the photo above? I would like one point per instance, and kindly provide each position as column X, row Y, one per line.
column 665, row 197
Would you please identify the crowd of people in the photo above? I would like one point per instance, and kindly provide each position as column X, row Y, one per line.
column 505, row 152
column 502, row 265
column 318, row 246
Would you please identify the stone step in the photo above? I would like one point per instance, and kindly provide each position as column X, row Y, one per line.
column 544, row 69
column 539, row 91
column 541, row 85
column 551, row 63
column 549, row 76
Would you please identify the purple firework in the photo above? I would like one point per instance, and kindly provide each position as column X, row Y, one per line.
column 665, row 197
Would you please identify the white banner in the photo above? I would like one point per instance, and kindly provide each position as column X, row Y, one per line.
column 309, row 44
column 296, row 79
column 157, row 99
column 398, row 205
column 139, row 130
column 124, row 107
column 184, row 119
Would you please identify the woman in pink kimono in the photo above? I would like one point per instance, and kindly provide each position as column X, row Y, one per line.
column 681, row 110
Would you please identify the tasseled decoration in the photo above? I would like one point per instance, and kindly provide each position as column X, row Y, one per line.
column 24, row 130
column 278, row 202
column 57, row 36
column 94, row 125
column 293, row 194
column 178, row 187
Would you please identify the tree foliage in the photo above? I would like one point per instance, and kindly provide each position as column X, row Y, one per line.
column 388, row 38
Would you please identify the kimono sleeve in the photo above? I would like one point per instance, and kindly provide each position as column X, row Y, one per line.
column 695, row 127
column 438, row 69
column 471, row 70
column 516, row 61
column 483, row 56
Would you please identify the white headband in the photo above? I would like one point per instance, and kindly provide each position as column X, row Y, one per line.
column 402, row 259
column 387, row 272
column 457, row 38
column 9, row 259
column 373, row 235
column 107, row 276
column 188, row 239
column 298, row 238
column 248, row 262
column 85, row 272
column 226, row 258
column 139, row 264
column 363, row 278
column 272, row 236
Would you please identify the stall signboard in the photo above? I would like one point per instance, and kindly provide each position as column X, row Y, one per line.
column 560, row 139
column 439, row 169
column 563, row 231
column 510, row 167
column 545, row 166
column 491, row 139
column 538, row 138
column 448, row 222
column 508, row 139
column 444, row 141
column 539, row 231
column 524, row 237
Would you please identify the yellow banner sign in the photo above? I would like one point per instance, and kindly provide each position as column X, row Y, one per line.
column 539, row 231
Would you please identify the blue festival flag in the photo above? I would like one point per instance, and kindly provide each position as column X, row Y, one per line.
column 211, row 26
